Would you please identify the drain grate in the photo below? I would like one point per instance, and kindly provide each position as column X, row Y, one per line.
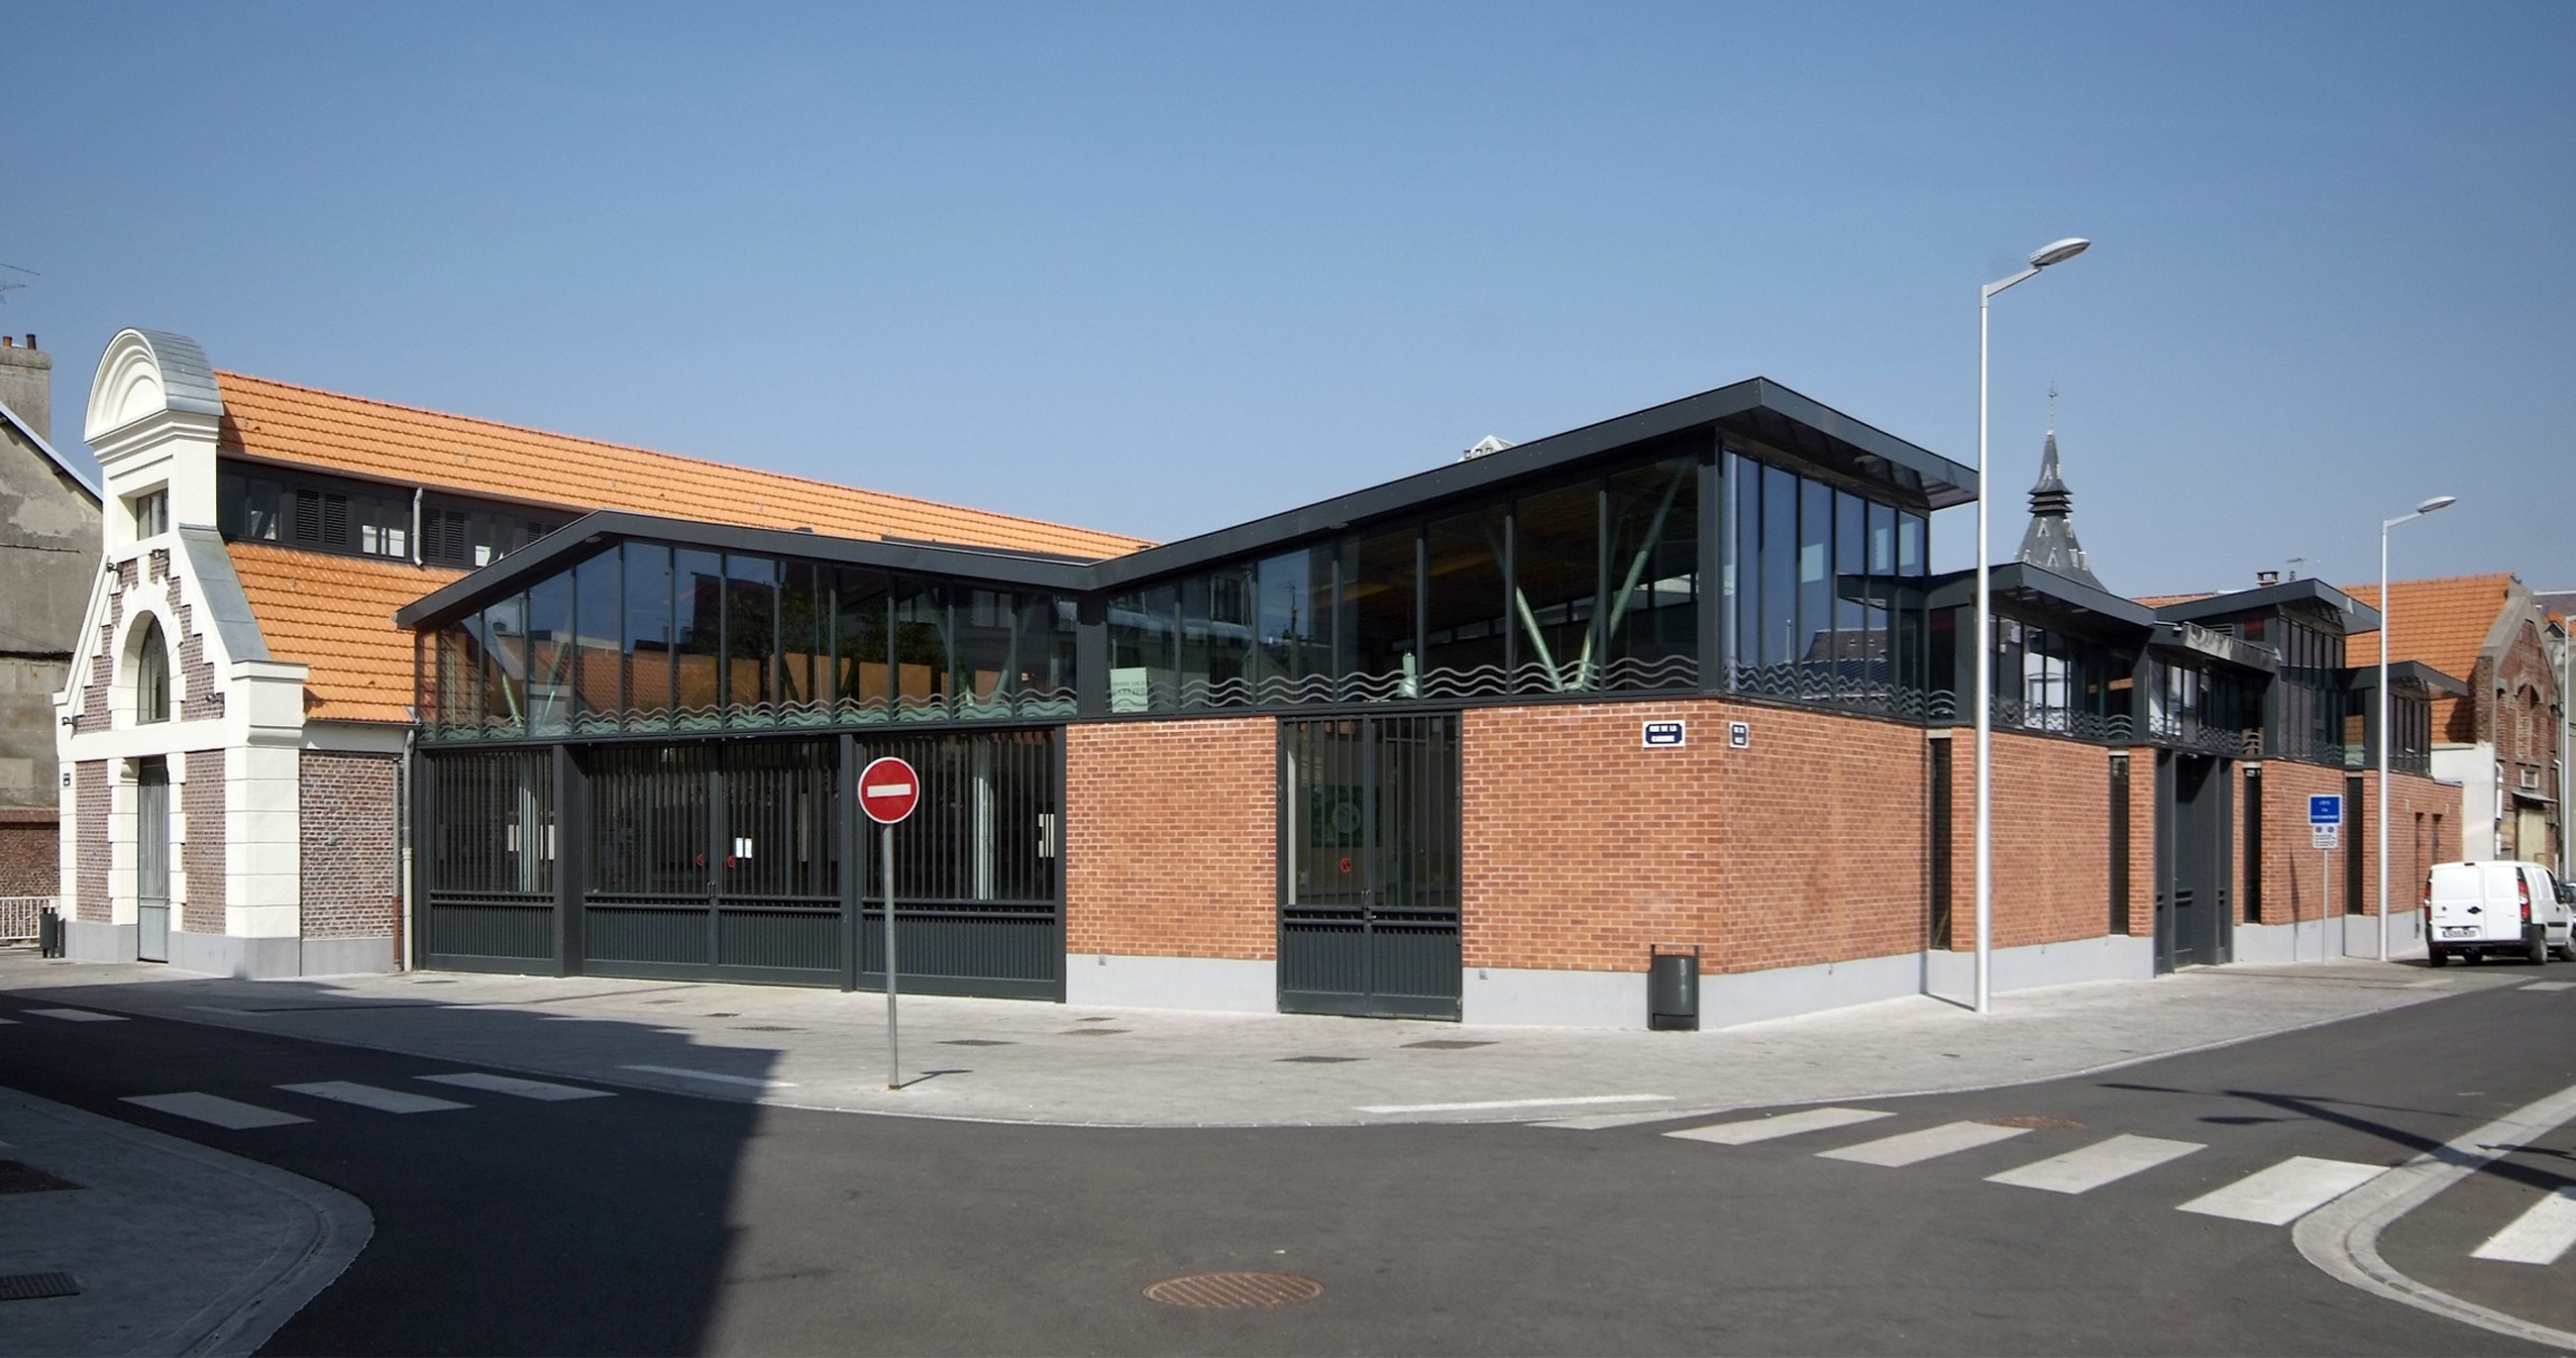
column 976, row 1042
column 1235, row 1291
column 1322, row 1060
column 2036, row 1123
column 766, row 1028
column 727, row 1013
column 36, row 1286
column 1446, row 1044
column 1090, row 1032
column 17, row 1176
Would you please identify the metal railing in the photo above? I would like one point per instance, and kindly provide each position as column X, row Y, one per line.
column 18, row 916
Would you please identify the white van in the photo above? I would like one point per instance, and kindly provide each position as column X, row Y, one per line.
column 2495, row 909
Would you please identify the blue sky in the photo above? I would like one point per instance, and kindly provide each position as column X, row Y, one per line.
column 1164, row 268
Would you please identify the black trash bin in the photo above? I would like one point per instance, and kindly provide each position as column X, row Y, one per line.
column 49, row 933
column 1672, row 989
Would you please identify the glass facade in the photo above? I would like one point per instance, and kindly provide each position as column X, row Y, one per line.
column 644, row 636
column 1600, row 583
column 1824, row 596
column 2200, row 706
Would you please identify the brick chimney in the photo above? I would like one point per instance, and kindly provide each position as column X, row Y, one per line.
column 27, row 384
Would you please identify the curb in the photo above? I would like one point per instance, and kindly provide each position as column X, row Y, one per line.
column 237, row 1323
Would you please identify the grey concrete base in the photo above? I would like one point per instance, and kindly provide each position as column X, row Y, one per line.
column 1214, row 984
column 84, row 941
column 1507, row 997
column 2113, row 957
column 347, row 956
column 2275, row 945
column 1752, row 996
column 226, row 955
column 2405, row 935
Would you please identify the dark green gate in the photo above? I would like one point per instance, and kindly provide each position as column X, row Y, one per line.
column 1368, row 854
column 487, row 836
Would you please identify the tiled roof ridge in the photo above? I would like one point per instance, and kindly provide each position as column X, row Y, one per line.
column 225, row 375
column 2479, row 577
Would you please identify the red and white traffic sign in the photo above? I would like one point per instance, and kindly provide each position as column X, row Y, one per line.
column 888, row 790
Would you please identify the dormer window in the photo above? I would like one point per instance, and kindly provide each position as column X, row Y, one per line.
column 151, row 513
column 151, row 675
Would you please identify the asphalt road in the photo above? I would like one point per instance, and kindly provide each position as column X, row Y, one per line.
column 657, row 1223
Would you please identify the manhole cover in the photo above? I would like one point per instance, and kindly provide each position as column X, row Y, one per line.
column 17, row 1176
column 37, row 1286
column 1235, row 1291
column 724, row 1014
column 1322, row 1060
column 767, row 1028
column 1090, row 1032
column 1446, row 1044
column 975, row 1042
column 2036, row 1123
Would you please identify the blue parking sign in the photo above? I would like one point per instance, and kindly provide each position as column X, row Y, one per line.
column 2327, row 810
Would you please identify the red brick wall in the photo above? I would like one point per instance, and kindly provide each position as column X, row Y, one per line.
column 1171, row 838
column 2409, row 849
column 190, row 671
column 2052, row 835
column 89, row 805
column 201, row 808
column 2142, row 841
column 1583, row 849
column 31, row 862
column 2295, row 883
column 350, row 887
column 2521, row 717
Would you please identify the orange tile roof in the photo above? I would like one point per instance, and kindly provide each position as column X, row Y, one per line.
column 2442, row 622
column 2160, row 600
column 286, row 423
column 335, row 614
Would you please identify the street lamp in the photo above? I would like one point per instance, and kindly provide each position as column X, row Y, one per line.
column 2437, row 502
column 2055, row 252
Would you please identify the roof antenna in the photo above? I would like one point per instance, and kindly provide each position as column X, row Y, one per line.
column 5, row 288
column 2052, row 407
column 2295, row 563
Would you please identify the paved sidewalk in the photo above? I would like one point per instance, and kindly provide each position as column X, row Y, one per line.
column 1022, row 1061
column 175, row 1248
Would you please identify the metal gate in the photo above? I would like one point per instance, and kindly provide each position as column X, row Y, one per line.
column 152, row 859
column 487, row 828
column 2195, row 913
column 714, row 863
column 1368, row 853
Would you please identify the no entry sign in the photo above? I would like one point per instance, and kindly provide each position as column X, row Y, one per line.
column 888, row 790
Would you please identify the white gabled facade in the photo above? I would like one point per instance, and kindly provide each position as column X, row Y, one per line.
column 233, row 733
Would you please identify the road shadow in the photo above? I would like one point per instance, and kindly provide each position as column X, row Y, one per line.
column 512, row 1225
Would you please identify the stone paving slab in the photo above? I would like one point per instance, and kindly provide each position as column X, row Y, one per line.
column 176, row 1248
column 1036, row 1062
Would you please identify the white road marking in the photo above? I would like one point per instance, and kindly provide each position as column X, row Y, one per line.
column 2538, row 1236
column 1750, row 1130
column 1913, row 1148
column 687, row 1074
column 225, row 1113
column 511, row 1084
column 7, row 1020
column 1483, row 1104
column 2082, row 1171
column 2551, row 985
column 79, row 1015
column 2285, row 1192
column 369, row 1096
column 1596, row 1122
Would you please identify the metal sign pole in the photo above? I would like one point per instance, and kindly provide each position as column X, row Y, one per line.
column 894, row 1060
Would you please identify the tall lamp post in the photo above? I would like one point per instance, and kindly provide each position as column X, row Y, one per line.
column 2437, row 502
column 2055, row 252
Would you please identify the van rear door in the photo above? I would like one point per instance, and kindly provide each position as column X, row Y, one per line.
column 2474, row 903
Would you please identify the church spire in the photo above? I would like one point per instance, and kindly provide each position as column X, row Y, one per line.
column 2049, row 543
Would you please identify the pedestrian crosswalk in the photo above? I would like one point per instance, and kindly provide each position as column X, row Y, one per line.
column 2275, row 1195
column 233, row 1114
column 2539, row 1236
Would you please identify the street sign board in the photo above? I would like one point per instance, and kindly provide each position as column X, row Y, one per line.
column 888, row 790
column 2326, row 836
column 1665, row 735
column 2325, row 810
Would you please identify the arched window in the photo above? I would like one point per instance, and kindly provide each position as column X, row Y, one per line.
column 151, row 674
